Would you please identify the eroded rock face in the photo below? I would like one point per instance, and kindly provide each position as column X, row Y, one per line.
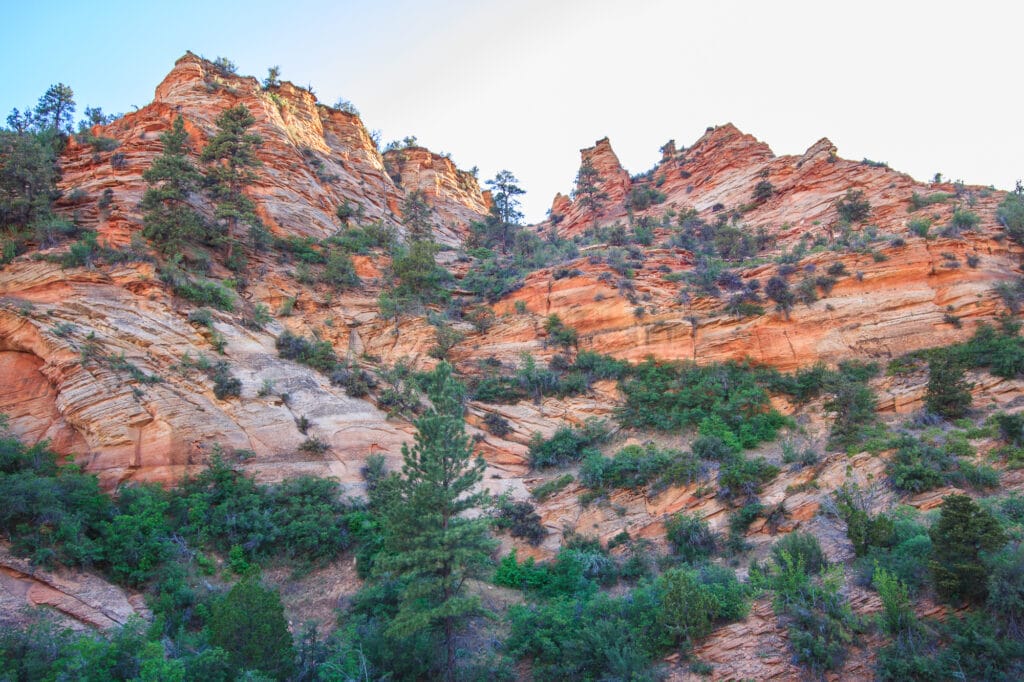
column 105, row 363
column 79, row 599
column 454, row 194
column 315, row 159
column 613, row 182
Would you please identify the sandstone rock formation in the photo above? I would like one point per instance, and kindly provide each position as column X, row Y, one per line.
column 106, row 364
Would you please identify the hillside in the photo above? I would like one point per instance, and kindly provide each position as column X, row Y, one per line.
column 764, row 270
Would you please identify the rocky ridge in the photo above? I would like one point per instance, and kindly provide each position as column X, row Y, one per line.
column 69, row 337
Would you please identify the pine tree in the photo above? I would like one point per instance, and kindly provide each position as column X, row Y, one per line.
column 249, row 623
column 431, row 545
column 56, row 108
column 416, row 214
column 588, row 191
column 168, row 219
column 500, row 227
column 231, row 156
column 964, row 530
column 948, row 394
column 778, row 290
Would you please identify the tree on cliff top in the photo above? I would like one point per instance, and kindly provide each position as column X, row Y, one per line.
column 587, row 191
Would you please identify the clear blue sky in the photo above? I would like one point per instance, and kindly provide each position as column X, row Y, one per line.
column 925, row 86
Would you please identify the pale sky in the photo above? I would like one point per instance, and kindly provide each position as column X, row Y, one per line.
column 924, row 86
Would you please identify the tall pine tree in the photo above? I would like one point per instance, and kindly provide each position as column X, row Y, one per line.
column 431, row 543
column 168, row 219
column 231, row 158
column 588, row 191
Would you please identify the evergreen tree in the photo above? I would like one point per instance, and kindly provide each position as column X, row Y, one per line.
column 231, row 156
column 948, row 394
column 249, row 623
column 588, row 191
column 168, row 219
column 778, row 290
column 416, row 214
column 963, row 532
column 500, row 225
column 431, row 545
column 56, row 108
column 28, row 178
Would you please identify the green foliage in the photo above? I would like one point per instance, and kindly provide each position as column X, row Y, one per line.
column 169, row 221
column 566, row 445
column 742, row 478
column 690, row 537
column 853, row 207
column 339, row 271
column 203, row 292
column 853, row 403
column 948, row 393
column 429, row 541
column 51, row 513
column 1006, row 587
column 520, row 519
column 635, row 466
column 317, row 354
column 674, row 396
column 1010, row 214
column 974, row 650
column 230, row 156
column 962, row 220
column 802, row 548
column 918, row 201
column 820, row 622
column 961, row 538
column 920, row 226
column 504, row 190
column 1000, row 351
column 763, row 191
column 560, row 378
column 918, row 466
column 137, row 540
column 897, row 614
column 643, row 197
column 249, row 624
column 588, row 189
column 693, row 600
column 549, row 488
column 559, row 333
column 27, row 185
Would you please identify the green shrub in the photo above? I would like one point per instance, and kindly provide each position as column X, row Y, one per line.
column 918, row 201
column 820, row 622
column 742, row 478
column 549, row 488
column 520, row 519
column 920, row 227
column 566, row 445
column 635, row 466
column 691, row 538
column 1010, row 214
column 317, row 354
column 961, row 536
column 249, row 624
column 674, row 396
column 853, row 207
column 962, row 220
column 803, row 548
